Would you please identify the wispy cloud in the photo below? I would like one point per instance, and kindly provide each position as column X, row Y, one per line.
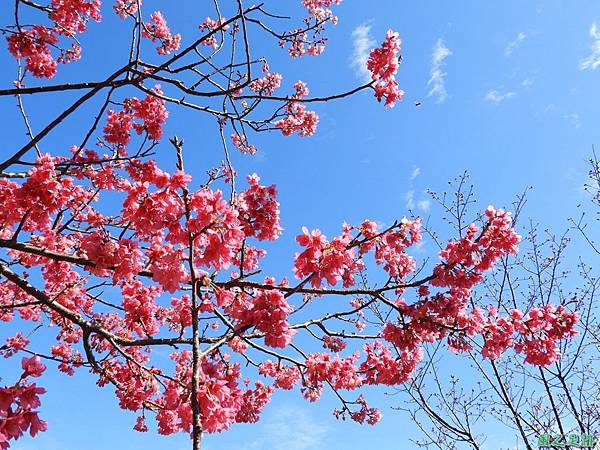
column 362, row 43
column 514, row 44
column 436, row 81
column 496, row 97
column 573, row 119
column 414, row 173
column 593, row 60
column 424, row 205
column 527, row 82
column 421, row 204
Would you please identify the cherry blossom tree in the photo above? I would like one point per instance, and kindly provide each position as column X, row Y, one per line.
column 120, row 256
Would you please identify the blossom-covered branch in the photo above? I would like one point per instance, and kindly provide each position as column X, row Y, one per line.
column 118, row 254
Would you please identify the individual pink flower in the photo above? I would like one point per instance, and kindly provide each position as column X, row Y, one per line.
column 33, row 366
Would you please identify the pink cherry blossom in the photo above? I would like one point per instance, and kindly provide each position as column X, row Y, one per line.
column 383, row 64
column 267, row 84
column 259, row 210
column 71, row 16
column 242, row 144
column 321, row 259
column 158, row 30
column 33, row 46
column 125, row 8
column 299, row 119
column 150, row 112
column 211, row 25
column 18, row 402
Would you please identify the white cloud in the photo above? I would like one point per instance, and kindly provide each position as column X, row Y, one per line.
column 514, row 44
column 436, row 75
column 527, row 82
column 409, row 196
column 410, row 202
column 424, row 205
column 415, row 172
column 574, row 119
column 592, row 61
column 496, row 97
column 362, row 42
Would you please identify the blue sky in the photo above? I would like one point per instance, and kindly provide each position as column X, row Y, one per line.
column 509, row 93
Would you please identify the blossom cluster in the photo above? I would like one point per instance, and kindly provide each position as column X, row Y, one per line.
column 125, row 8
column 269, row 314
column 164, row 218
column 34, row 46
column 71, row 16
column 259, row 210
column 34, row 43
column 320, row 8
column 18, row 404
column 286, row 377
column 241, row 142
column 151, row 113
column 341, row 259
column 466, row 260
column 221, row 399
column 299, row 119
column 323, row 260
column 383, row 64
column 267, row 84
column 210, row 26
column 41, row 196
column 308, row 40
column 390, row 246
column 158, row 30
column 175, row 258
